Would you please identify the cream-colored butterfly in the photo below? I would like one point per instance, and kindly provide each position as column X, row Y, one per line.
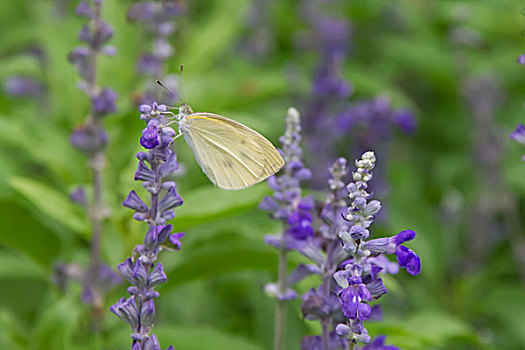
column 232, row 155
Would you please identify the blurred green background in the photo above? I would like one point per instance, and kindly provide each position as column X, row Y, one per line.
column 459, row 182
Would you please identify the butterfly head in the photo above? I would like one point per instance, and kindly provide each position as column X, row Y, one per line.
column 185, row 109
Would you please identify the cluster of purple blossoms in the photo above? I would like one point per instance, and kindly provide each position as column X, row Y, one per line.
column 326, row 252
column 287, row 203
column 329, row 94
column 157, row 19
column 349, row 264
column 370, row 124
column 90, row 137
column 142, row 269
column 359, row 280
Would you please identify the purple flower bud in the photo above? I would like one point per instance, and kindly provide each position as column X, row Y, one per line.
column 140, row 216
column 104, row 102
column 163, row 233
column 144, row 173
column 134, row 202
column 147, row 313
column 167, row 216
column 170, row 165
column 342, row 330
column 157, row 276
column 126, row 310
column 358, row 232
column 359, row 203
column 150, row 137
column 152, row 343
column 126, row 269
column 521, row 59
column 83, row 9
column 171, row 200
column 140, row 272
column 376, row 288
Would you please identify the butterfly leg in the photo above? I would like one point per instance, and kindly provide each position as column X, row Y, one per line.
column 174, row 138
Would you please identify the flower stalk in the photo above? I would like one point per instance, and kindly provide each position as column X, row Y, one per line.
column 288, row 206
column 90, row 139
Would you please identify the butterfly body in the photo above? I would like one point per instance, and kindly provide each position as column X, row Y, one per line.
column 232, row 155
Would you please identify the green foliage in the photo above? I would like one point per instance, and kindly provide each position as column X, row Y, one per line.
column 465, row 298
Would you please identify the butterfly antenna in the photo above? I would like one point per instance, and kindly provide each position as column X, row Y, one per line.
column 165, row 87
column 182, row 83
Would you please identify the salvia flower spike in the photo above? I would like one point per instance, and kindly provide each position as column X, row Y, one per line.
column 142, row 270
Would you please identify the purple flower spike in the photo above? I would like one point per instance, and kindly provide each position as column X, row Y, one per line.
column 359, row 275
column 144, row 271
column 407, row 258
column 521, row 59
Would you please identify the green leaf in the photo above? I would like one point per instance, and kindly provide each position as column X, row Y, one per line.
column 222, row 26
column 14, row 265
column 24, row 233
column 12, row 334
column 208, row 203
column 220, row 259
column 506, row 303
column 190, row 338
column 51, row 202
column 57, row 324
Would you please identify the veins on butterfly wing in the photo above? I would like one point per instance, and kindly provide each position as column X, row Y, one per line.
column 228, row 163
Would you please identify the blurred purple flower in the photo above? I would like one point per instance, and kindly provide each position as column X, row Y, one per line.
column 157, row 19
column 521, row 59
column 104, row 102
column 89, row 139
column 19, row 86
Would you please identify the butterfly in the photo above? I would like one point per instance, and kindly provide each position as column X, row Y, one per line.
column 232, row 155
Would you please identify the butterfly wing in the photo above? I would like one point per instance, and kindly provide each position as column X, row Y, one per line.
column 232, row 155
